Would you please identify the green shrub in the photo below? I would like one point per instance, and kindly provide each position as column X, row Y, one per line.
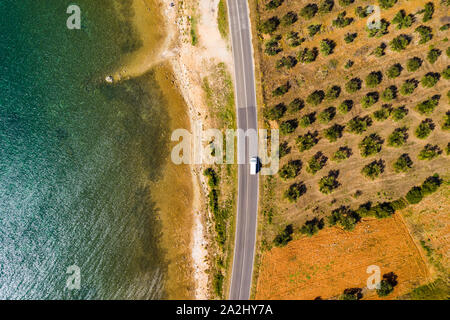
column 306, row 141
column 307, row 120
column 213, row 178
column 269, row 26
column 345, row 3
column 218, row 283
column 433, row 55
column 276, row 112
column 342, row 154
column 373, row 169
column 382, row 210
column 446, row 122
column 281, row 90
column 446, row 73
column 414, row 195
column 308, row 55
column 370, row 99
column 295, row 191
column 386, row 4
column 429, row 152
column 272, row 46
column 383, row 113
column 348, row 64
column 399, row 113
column 358, row 124
column 431, row 185
column 316, row 97
column 379, row 51
column 288, row 126
column 222, row 19
column 350, row 37
column 424, row 129
column 316, row 162
column 329, row 183
column 399, row 204
column 344, row 217
column 345, row 106
column 327, row 115
column 398, row 137
column 273, row 4
column 413, row 64
column 400, row 43
column 353, row 85
column 362, row 12
column 284, row 149
column 378, row 32
column 403, row 163
column 290, row 170
column 327, row 46
column 402, row 20
column 394, row 71
column 385, row 288
column 425, row 34
column 370, row 145
column 428, row 12
column 296, row 105
column 311, row 227
column 309, row 11
column 408, row 87
column 373, row 79
column 286, row 62
column 313, row 29
column 289, row 18
column 427, row 107
column 333, row 92
column 293, row 40
column 326, row 6
column 389, row 93
column 430, row 79
column 334, row 132
column 284, row 236
column 341, row 20
column 351, row 294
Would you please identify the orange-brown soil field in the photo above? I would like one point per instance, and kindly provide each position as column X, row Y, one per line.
column 333, row 260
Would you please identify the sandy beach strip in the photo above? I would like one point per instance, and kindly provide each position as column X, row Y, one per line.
column 188, row 63
column 188, row 66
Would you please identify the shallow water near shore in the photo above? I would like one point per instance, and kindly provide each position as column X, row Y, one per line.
column 79, row 157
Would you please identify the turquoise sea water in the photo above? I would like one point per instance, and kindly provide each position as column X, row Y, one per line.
column 76, row 156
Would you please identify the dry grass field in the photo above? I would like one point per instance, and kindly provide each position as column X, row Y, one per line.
column 351, row 187
column 334, row 260
column 429, row 224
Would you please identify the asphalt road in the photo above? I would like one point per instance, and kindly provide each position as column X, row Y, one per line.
column 245, row 97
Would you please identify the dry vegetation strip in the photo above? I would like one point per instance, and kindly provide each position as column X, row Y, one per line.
column 222, row 180
column 429, row 225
